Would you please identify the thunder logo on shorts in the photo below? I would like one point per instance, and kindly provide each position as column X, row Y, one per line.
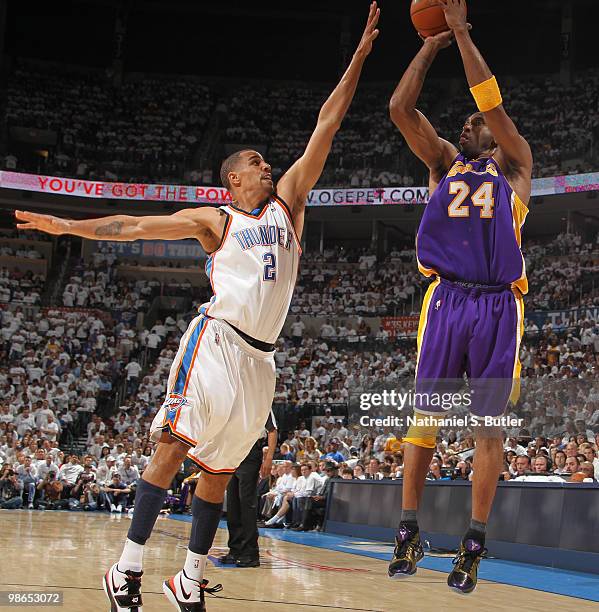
column 176, row 398
column 172, row 405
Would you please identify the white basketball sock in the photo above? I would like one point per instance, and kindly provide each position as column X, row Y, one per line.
column 194, row 566
column 132, row 556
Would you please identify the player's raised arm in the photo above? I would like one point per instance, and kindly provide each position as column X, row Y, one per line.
column 196, row 223
column 420, row 135
column 513, row 147
column 305, row 172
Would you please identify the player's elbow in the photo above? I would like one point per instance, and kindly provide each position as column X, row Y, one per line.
column 329, row 123
column 399, row 110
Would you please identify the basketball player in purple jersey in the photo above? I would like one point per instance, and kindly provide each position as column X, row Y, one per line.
column 469, row 241
column 222, row 381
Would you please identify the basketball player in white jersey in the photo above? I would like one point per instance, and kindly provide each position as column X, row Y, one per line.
column 222, row 381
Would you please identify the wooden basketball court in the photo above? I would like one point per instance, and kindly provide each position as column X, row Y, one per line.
column 68, row 551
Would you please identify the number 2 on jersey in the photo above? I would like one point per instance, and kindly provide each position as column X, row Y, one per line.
column 482, row 197
column 270, row 267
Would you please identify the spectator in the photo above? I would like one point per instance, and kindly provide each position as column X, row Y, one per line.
column 50, row 490
column 116, row 494
column 11, row 490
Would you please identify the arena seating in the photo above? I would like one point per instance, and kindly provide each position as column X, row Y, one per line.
column 560, row 123
column 143, row 131
column 342, row 283
column 78, row 363
column 103, row 134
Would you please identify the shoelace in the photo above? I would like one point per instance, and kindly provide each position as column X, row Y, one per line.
column 411, row 547
column 465, row 558
column 133, row 583
column 215, row 589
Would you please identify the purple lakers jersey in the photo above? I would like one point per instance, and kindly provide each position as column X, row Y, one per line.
column 470, row 230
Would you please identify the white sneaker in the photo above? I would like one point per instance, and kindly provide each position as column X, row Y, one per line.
column 112, row 508
column 30, row 507
column 119, row 508
column 187, row 594
column 123, row 589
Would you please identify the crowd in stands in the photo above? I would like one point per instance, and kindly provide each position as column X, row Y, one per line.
column 148, row 130
column 562, row 273
column 141, row 131
column 18, row 287
column 295, row 494
column 59, row 373
column 339, row 283
column 558, row 272
column 59, row 381
column 100, row 286
column 93, row 288
column 559, row 122
column 365, row 152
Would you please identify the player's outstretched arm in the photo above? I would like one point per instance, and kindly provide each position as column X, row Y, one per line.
column 192, row 223
column 513, row 147
column 305, row 172
column 420, row 135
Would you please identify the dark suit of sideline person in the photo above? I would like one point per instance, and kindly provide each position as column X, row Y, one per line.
column 242, row 501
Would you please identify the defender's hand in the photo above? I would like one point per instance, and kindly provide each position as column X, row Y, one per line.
column 455, row 13
column 370, row 31
column 42, row 223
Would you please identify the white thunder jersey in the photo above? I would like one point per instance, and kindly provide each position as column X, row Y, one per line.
column 254, row 270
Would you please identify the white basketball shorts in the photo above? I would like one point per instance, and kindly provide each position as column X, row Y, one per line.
column 220, row 392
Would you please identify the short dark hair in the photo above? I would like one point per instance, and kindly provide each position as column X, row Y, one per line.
column 228, row 166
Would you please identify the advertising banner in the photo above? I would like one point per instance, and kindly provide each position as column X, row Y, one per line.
column 362, row 196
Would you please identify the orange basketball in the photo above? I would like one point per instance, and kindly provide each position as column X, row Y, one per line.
column 428, row 17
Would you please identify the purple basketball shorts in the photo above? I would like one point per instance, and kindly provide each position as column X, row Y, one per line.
column 473, row 330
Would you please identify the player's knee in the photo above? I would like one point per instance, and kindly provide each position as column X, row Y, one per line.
column 488, row 437
column 171, row 450
column 211, row 487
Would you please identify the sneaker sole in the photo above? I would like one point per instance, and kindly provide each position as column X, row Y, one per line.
column 401, row 575
column 113, row 606
column 459, row 591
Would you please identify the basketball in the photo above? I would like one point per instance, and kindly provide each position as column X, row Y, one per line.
column 428, row 17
